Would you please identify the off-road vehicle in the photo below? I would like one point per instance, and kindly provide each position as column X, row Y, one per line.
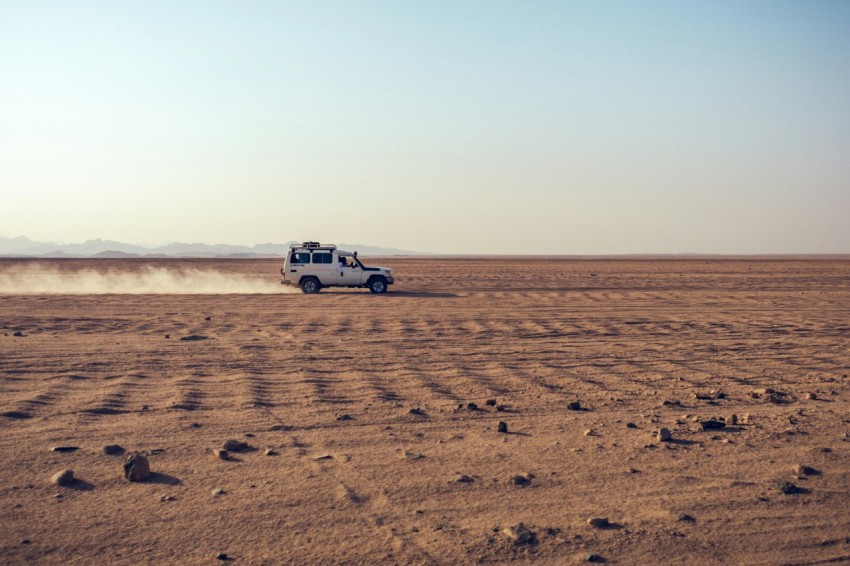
column 311, row 266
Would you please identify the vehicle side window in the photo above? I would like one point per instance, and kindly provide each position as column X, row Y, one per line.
column 302, row 257
column 322, row 257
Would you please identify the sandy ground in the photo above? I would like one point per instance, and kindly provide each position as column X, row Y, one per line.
column 330, row 381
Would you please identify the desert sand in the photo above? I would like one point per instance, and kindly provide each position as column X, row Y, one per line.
column 384, row 448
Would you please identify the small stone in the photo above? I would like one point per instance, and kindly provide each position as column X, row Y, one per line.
column 663, row 435
column 64, row 448
column 520, row 534
column 503, row 427
column 598, row 522
column 501, row 408
column 632, row 471
column 195, row 425
column 416, row 411
column 222, row 556
column 270, row 452
column 167, row 336
column 800, row 470
column 218, row 491
column 25, row 541
column 574, row 406
column 136, row 467
column 463, row 478
column 590, row 432
column 685, row 518
column 522, row 480
column 221, row 454
column 594, row 558
column 166, row 498
column 64, row 478
column 789, row 488
column 631, row 425
column 233, row 445
column 208, row 318
column 344, row 417
column 323, row 457
column 113, row 450
column 250, row 435
column 732, row 419
column 472, row 406
column 811, row 396
column 18, row 334
column 490, row 402
column 194, row 337
column 712, row 424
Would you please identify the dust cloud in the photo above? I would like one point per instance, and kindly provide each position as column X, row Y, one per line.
column 41, row 280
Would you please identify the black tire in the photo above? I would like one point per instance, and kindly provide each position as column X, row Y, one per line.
column 310, row 285
column 378, row 285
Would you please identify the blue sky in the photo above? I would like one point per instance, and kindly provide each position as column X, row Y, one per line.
column 459, row 127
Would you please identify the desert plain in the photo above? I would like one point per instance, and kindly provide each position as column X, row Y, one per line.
column 372, row 422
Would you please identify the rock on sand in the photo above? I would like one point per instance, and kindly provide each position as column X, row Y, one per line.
column 63, row 478
column 136, row 467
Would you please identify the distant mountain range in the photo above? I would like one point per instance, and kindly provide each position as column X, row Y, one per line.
column 24, row 247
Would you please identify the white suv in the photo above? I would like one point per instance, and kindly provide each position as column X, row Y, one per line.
column 312, row 265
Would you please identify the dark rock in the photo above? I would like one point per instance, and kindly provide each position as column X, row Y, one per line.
column 222, row 556
column 472, row 406
column 113, row 450
column 712, row 424
column 417, row 411
column 490, row 402
column 501, row 407
column 136, row 467
column 685, row 518
column 789, row 488
column 221, row 454
column 631, row 425
column 574, row 406
column 64, row 448
column 594, row 558
column 194, row 337
column 664, row 435
column 344, row 418
column 18, row 334
column 463, row 478
column 25, row 541
column 503, row 427
column 598, row 522
column 522, row 480
column 233, row 445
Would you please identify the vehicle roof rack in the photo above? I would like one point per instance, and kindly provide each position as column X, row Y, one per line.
column 312, row 246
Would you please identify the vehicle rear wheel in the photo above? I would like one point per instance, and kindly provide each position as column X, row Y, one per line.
column 378, row 285
column 310, row 285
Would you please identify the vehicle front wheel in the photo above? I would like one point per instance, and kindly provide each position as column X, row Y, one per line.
column 311, row 285
column 378, row 285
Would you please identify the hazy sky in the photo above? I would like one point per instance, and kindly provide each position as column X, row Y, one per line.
column 467, row 127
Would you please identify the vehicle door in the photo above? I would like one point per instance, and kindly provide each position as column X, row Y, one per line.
column 324, row 268
column 351, row 274
column 296, row 265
